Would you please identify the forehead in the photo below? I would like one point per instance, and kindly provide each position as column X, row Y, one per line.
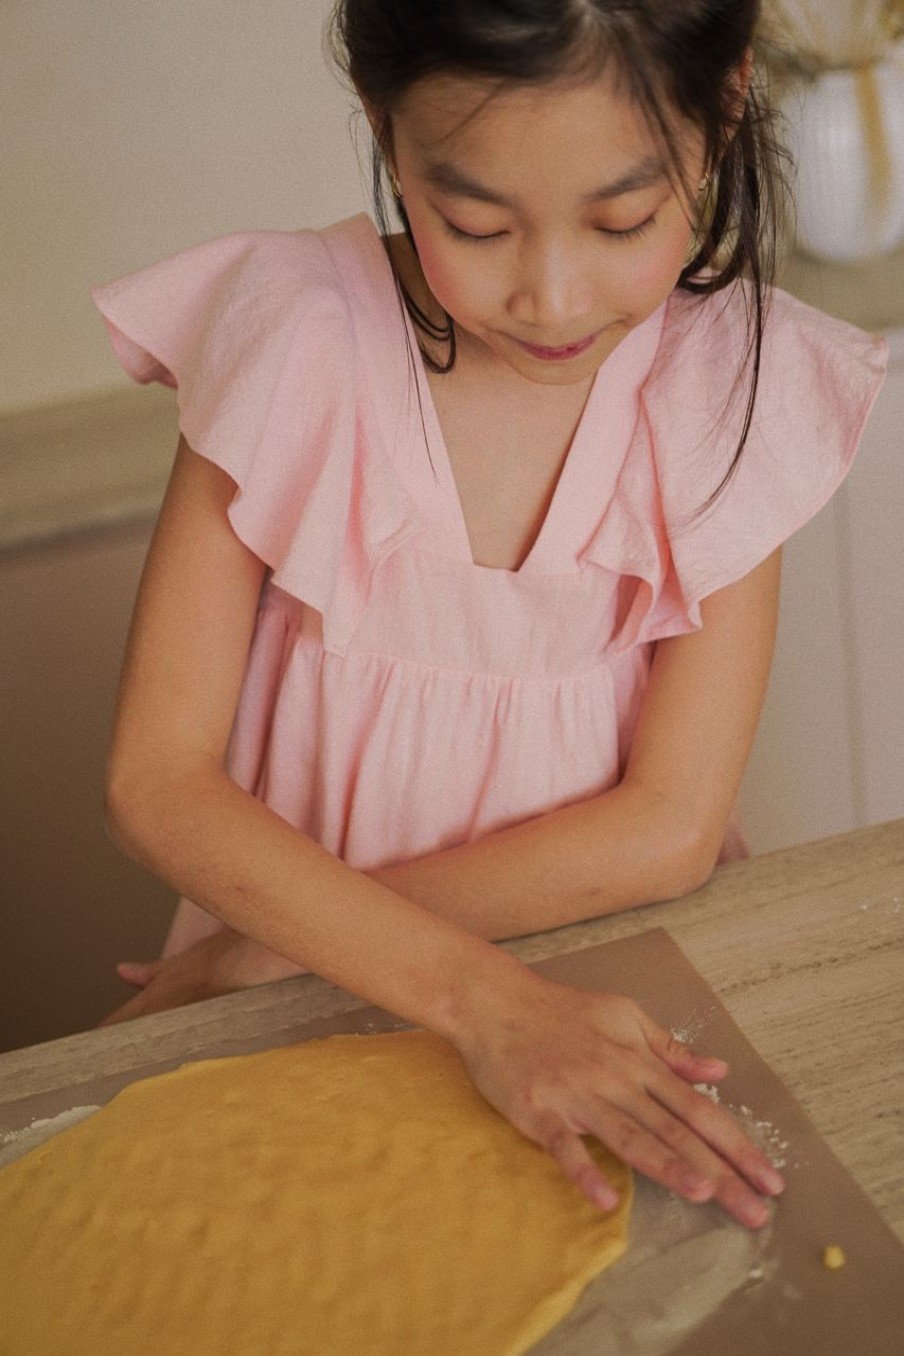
column 517, row 141
column 448, row 113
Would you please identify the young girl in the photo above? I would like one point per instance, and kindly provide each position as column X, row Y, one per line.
column 460, row 608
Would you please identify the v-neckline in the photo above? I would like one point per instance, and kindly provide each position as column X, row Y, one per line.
column 446, row 472
column 568, row 493
column 563, row 491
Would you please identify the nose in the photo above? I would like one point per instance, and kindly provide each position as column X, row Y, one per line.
column 551, row 291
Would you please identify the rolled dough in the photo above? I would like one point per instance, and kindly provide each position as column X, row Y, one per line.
column 353, row 1196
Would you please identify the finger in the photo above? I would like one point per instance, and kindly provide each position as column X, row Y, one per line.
column 572, row 1156
column 711, row 1122
column 718, row 1127
column 725, row 1185
column 138, row 973
column 687, row 1112
column 135, row 1007
column 691, row 1066
column 663, row 1158
column 680, row 1058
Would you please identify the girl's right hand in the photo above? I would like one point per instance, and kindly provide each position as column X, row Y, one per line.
column 220, row 963
column 561, row 1063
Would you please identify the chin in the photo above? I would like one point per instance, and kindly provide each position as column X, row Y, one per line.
column 557, row 374
column 566, row 373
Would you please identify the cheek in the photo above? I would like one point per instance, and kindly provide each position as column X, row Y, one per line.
column 656, row 272
column 455, row 280
column 453, row 285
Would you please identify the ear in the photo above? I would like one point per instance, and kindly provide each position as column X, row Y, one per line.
column 744, row 76
column 738, row 88
column 739, row 82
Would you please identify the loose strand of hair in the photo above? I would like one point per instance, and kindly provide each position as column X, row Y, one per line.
column 406, row 301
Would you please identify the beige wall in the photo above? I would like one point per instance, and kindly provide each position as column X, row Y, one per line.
column 129, row 131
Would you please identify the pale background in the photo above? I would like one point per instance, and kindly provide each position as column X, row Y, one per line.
column 129, row 132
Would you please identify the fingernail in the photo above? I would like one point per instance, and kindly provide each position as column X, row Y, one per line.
column 700, row 1188
column 772, row 1181
column 755, row 1213
column 717, row 1068
column 604, row 1197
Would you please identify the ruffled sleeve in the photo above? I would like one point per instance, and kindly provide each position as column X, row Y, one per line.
column 255, row 333
column 669, row 525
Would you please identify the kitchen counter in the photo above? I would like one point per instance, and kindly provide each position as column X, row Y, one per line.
column 804, row 947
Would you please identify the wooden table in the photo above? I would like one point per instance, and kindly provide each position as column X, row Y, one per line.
column 804, row 947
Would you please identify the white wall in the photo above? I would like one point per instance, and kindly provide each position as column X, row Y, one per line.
column 829, row 755
column 129, row 131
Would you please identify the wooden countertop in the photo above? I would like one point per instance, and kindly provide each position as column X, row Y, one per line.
column 804, row 947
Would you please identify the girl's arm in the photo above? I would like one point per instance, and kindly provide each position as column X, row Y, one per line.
column 558, row 1062
column 658, row 833
column 171, row 805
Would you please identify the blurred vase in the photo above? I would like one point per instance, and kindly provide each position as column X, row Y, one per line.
column 846, row 133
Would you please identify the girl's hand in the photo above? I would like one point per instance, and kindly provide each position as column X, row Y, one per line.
column 560, row 1063
column 221, row 963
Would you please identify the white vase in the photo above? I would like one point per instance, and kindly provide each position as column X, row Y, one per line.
column 846, row 133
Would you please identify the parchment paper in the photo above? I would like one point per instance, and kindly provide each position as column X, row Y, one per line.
column 693, row 1283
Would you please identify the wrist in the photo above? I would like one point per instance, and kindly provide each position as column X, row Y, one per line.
column 483, row 993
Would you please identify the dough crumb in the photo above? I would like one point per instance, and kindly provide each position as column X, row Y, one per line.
column 833, row 1257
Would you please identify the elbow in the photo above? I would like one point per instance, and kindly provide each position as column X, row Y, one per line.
column 151, row 800
column 693, row 859
column 123, row 807
column 693, row 870
column 689, row 857
column 675, row 845
column 138, row 800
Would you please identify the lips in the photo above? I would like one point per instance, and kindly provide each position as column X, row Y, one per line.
column 559, row 354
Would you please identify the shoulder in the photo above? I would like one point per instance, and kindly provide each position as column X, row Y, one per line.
column 718, row 331
column 816, row 381
column 815, row 375
column 252, row 299
column 251, row 274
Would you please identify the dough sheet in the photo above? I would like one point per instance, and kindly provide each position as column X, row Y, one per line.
column 344, row 1196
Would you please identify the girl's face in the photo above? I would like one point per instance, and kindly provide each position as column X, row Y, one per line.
column 545, row 218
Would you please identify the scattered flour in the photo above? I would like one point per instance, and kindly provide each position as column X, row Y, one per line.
column 764, row 1133
column 893, row 904
column 17, row 1143
column 683, row 1263
column 688, row 1031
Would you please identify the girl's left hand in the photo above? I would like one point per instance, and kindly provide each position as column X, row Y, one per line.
column 221, row 963
column 565, row 1064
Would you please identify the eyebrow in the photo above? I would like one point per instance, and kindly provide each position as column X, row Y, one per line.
column 453, row 181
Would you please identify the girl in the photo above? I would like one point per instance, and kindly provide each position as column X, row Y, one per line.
column 459, row 612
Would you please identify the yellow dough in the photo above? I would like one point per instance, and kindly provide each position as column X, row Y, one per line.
column 354, row 1196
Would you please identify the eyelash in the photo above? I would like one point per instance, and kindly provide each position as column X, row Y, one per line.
column 633, row 233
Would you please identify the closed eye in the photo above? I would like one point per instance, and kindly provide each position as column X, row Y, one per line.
column 632, row 232
column 466, row 235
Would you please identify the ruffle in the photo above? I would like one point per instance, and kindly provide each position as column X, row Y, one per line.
column 818, row 380
column 255, row 332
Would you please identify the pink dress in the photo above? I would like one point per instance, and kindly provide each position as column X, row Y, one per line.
column 400, row 698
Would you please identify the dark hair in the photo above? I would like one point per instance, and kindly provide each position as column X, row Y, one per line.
column 673, row 55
